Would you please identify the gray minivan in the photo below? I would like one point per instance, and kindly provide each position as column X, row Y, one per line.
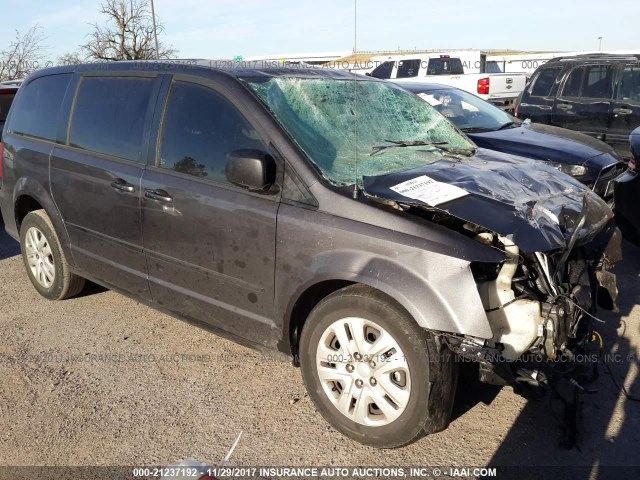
column 339, row 219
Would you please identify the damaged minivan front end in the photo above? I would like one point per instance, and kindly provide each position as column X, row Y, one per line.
column 559, row 243
column 527, row 312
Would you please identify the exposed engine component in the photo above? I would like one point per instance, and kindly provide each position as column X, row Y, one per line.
column 540, row 307
column 515, row 321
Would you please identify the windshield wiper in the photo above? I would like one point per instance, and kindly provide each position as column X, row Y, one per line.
column 506, row 125
column 409, row 143
column 476, row 129
column 467, row 152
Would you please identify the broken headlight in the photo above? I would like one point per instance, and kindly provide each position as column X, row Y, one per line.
column 576, row 171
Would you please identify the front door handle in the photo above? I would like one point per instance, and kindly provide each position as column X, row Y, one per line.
column 565, row 106
column 122, row 186
column 622, row 111
column 159, row 195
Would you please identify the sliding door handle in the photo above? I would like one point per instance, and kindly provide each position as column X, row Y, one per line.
column 122, row 186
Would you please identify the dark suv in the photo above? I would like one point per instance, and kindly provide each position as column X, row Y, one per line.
column 336, row 218
column 595, row 94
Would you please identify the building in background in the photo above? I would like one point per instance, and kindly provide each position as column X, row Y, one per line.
column 473, row 60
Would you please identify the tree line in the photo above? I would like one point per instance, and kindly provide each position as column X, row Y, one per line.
column 127, row 33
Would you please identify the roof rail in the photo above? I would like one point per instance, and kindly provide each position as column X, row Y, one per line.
column 598, row 56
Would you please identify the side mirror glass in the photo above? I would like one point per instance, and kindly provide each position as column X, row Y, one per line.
column 254, row 170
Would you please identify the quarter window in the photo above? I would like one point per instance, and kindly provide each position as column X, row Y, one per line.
column 38, row 109
column 110, row 114
column 543, row 83
column 201, row 128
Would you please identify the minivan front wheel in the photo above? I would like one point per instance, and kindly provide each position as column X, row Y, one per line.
column 44, row 260
column 372, row 372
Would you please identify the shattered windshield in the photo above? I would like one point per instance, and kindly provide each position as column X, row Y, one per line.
column 395, row 130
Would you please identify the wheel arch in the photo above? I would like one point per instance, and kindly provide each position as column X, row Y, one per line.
column 445, row 300
column 29, row 195
column 300, row 310
column 24, row 205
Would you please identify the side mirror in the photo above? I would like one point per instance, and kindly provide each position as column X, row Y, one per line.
column 254, row 170
column 634, row 140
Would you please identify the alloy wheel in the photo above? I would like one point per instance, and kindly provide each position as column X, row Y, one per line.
column 40, row 257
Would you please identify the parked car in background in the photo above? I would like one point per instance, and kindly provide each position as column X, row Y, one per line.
column 12, row 83
column 231, row 197
column 588, row 160
column 596, row 94
column 627, row 193
column 7, row 93
column 501, row 89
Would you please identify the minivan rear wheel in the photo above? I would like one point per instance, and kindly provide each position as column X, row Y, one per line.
column 372, row 372
column 44, row 260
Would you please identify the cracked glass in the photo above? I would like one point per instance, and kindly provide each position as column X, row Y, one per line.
column 339, row 123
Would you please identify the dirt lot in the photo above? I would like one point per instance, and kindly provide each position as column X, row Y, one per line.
column 103, row 380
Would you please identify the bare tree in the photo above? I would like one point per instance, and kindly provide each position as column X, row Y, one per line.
column 127, row 35
column 24, row 55
column 70, row 58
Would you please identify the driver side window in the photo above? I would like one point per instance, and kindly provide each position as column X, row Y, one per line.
column 201, row 128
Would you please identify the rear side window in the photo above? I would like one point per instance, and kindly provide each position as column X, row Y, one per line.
column 598, row 82
column 109, row 115
column 573, row 84
column 383, row 71
column 39, row 104
column 201, row 128
column 629, row 89
column 408, row 68
column 543, row 83
column 445, row 66
column 593, row 81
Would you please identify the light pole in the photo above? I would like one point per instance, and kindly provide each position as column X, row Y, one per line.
column 599, row 45
column 155, row 30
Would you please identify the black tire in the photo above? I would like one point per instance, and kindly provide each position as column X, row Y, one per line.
column 65, row 284
column 432, row 366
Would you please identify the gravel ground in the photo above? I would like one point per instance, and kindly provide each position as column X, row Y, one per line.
column 171, row 390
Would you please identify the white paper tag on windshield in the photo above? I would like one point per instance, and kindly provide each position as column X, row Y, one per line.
column 429, row 191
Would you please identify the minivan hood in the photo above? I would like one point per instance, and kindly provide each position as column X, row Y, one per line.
column 544, row 142
column 532, row 204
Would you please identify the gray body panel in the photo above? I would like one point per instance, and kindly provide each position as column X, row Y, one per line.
column 437, row 290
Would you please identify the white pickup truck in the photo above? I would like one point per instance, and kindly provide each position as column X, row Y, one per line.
column 501, row 89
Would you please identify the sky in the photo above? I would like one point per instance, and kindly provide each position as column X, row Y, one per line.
column 229, row 28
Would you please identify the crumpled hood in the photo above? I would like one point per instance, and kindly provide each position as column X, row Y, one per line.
column 545, row 142
column 532, row 204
